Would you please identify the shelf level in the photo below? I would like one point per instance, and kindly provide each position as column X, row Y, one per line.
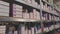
column 20, row 1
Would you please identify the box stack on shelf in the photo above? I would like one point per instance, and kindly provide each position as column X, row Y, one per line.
column 4, row 9
column 28, row 10
column 17, row 10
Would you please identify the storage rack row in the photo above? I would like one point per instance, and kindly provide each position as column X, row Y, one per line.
column 27, row 25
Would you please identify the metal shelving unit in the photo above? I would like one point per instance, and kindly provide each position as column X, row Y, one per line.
column 12, row 19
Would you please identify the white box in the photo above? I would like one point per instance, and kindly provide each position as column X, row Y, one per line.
column 4, row 11
column 4, row 14
column 4, row 7
column 4, row 3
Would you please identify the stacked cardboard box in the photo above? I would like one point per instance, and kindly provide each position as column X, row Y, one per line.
column 17, row 11
column 4, row 8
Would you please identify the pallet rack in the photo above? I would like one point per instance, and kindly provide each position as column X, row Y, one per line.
column 13, row 22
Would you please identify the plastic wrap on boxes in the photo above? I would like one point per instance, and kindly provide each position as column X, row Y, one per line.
column 24, row 15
